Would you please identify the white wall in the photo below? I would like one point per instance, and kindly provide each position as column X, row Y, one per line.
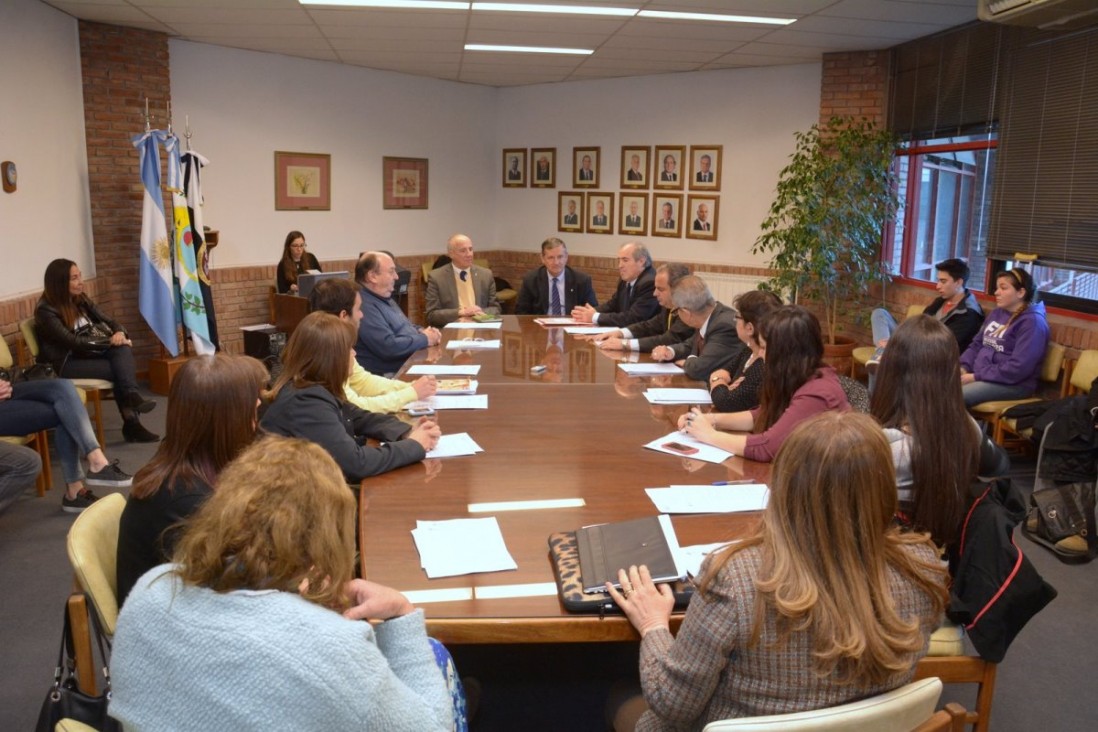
column 42, row 131
column 751, row 112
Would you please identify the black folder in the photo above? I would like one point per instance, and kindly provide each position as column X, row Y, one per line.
column 606, row 548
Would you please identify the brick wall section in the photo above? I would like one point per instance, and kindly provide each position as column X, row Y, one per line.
column 855, row 83
column 121, row 67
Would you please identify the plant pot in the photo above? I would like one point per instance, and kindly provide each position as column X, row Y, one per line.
column 840, row 356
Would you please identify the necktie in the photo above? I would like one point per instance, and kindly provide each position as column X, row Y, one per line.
column 628, row 296
column 699, row 343
column 554, row 303
column 464, row 275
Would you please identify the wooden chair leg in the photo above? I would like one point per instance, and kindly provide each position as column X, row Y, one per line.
column 82, row 642
column 42, row 447
column 95, row 401
column 984, row 695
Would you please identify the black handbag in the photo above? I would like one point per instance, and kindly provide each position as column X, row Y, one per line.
column 35, row 372
column 95, row 336
column 65, row 700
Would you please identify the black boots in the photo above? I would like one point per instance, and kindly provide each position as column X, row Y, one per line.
column 138, row 403
column 134, row 431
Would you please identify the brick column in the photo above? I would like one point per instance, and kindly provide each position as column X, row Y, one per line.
column 121, row 67
column 855, row 83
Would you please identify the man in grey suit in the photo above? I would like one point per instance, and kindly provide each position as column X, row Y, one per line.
column 715, row 342
column 665, row 328
column 554, row 288
column 460, row 289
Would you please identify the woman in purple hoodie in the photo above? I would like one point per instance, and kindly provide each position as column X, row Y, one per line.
column 1004, row 359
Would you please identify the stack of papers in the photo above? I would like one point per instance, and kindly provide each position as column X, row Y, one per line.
column 681, row 445
column 710, row 498
column 461, row 546
column 678, row 396
column 554, row 321
column 490, row 325
column 472, row 344
column 457, row 386
column 650, row 369
column 455, row 445
column 458, row 401
column 435, row 369
column 588, row 329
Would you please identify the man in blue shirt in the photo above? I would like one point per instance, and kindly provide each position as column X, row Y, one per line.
column 386, row 338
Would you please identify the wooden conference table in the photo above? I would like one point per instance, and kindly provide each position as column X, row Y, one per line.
column 575, row 431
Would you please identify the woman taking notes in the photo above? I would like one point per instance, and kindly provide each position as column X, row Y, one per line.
column 295, row 260
column 796, row 385
column 827, row 603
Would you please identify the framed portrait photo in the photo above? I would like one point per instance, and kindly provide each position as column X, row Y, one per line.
column 633, row 218
column 404, row 182
column 544, row 162
column 303, row 181
column 600, row 213
column 585, row 167
column 670, row 167
column 635, row 164
column 667, row 214
column 570, row 211
column 514, row 167
column 702, row 216
column 705, row 167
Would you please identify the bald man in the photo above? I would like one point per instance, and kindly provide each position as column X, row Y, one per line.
column 460, row 289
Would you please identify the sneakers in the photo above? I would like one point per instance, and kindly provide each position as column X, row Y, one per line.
column 135, row 432
column 83, row 499
column 111, row 476
column 874, row 361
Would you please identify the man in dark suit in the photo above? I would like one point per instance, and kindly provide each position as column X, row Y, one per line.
column 715, row 341
column 701, row 223
column 460, row 289
column 635, row 174
column 633, row 219
column 554, row 288
column 668, row 221
column 668, row 174
column 585, row 170
column 542, row 172
column 513, row 172
column 571, row 218
column 599, row 219
column 634, row 299
column 704, row 175
column 665, row 328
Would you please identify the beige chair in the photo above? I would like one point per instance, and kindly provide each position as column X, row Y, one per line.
column 1051, row 368
column 1082, row 372
column 899, row 710
column 862, row 354
column 39, row 441
column 93, row 388
column 92, row 546
column 71, row 725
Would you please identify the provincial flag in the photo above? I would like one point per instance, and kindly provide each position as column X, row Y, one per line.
column 155, row 292
column 193, row 163
column 192, row 302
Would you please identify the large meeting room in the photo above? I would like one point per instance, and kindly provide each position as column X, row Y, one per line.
column 184, row 178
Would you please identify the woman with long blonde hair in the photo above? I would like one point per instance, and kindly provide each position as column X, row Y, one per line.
column 826, row 603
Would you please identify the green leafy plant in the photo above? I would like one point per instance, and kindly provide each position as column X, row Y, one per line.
column 824, row 228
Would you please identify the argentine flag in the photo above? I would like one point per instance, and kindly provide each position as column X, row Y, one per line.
column 155, row 270
column 186, row 266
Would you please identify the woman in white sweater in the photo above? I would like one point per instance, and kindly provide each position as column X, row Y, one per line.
column 259, row 625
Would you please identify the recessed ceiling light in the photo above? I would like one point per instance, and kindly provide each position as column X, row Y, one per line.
column 410, row 4
column 528, row 49
column 565, row 9
column 671, row 15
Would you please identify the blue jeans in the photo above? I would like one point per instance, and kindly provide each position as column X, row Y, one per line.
column 43, row 405
column 979, row 392
column 19, row 466
column 883, row 325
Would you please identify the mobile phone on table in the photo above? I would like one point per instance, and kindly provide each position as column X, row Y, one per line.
column 422, row 411
column 679, row 448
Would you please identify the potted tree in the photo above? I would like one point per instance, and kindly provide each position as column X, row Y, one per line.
column 825, row 226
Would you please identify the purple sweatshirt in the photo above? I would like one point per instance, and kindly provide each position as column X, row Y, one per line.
column 1012, row 356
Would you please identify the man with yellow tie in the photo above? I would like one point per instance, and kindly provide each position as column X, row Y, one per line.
column 460, row 289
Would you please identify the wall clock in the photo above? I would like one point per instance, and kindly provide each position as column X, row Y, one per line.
column 8, row 176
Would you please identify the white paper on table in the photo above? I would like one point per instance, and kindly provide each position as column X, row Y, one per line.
column 472, row 344
column 678, row 396
column 438, row 369
column 589, row 329
column 490, row 325
column 461, row 546
column 693, row 556
column 455, row 401
column 706, row 453
column 555, row 321
column 455, row 445
column 710, row 498
column 649, row 369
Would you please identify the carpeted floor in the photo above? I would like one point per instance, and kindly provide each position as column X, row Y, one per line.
column 1045, row 683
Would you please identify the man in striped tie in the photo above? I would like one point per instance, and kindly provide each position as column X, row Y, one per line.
column 554, row 288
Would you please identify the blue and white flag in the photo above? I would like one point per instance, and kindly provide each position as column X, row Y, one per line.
column 193, row 304
column 155, row 292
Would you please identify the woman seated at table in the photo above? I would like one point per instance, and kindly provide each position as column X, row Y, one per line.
column 307, row 401
column 796, row 385
column 1004, row 359
column 65, row 342
column 295, row 261
column 258, row 624
column 736, row 388
column 827, row 603
column 937, row 448
column 211, row 418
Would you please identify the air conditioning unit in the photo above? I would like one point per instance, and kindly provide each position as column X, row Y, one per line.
column 1043, row 14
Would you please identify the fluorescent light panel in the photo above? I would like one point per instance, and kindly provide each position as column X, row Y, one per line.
column 528, row 49
column 500, row 592
column 672, row 15
column 563, row 9
column 526, row 505
column 406, row 4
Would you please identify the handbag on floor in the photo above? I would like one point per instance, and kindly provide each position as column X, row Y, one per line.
column 65, row 700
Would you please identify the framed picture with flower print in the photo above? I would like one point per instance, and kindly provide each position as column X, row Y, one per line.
column 403, row 182
column 705, row 167
column 570, row 211
column 600, row 213
column 670, row 167
column 303, row 181
column 635, row 164
column 514, row 167
column 585, row 167
column 667, row 214
column 702, row 216
column 544, row 162
column 633, row 219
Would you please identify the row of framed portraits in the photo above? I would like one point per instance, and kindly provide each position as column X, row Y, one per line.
column 591, row 212
column 659, row 167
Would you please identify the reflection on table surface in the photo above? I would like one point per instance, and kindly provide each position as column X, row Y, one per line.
column 574, row 432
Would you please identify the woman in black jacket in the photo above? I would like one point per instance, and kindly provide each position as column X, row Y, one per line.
column 295, row 260
column 61, row 319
